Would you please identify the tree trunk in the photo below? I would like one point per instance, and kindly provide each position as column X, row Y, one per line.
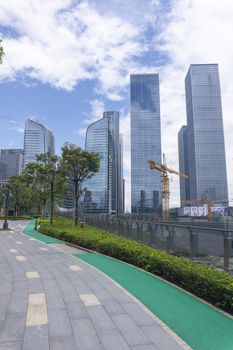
column 52, row 203
column 43, row 211
column 76, row 197
column 15, row 211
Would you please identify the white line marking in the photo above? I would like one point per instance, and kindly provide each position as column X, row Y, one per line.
column 32, row 239
column 13, row 250
column 89, row 299
column 75, row 267
column 37, row 310
column 32, row 274
column 18, row 242
column 41, row 248
column 20, row 258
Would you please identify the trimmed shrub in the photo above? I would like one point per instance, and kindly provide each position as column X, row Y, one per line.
column 205, row 282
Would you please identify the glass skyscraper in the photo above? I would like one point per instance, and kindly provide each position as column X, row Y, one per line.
column 105, row 188
column 205, row 135
column 145, row 142
column 37, row 139
column 11, row 161
column 183, row 163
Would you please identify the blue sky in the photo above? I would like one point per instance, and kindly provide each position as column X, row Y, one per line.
column 66, row 61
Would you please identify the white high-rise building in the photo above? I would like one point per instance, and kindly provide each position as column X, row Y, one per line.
column 105, row 187
column 37, row 139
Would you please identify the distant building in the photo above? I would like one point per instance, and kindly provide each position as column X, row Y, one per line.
column 183, row 163
column 205, row 135
column 11, row 161
column 105, row 188
column 37, row 139
column 145, row 143
column 70, row 145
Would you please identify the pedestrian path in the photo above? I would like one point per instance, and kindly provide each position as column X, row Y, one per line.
column 197, row 323
column 51, row 300
column 200, row 325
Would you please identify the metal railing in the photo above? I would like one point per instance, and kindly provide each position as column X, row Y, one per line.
column 210, row 243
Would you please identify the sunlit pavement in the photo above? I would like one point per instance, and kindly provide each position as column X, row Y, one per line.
column 52, row 300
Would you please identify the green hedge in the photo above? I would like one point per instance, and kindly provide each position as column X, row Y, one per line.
column 214, row 286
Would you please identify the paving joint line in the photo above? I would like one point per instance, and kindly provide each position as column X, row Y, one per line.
column 157, row 320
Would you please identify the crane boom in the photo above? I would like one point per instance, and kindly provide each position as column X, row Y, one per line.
column 165, row 181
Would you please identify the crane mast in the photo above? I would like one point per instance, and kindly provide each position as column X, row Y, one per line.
column 165, row 183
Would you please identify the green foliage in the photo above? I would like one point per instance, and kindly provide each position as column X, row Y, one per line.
column 46, row 180
column 77, row 166
column 214, row 286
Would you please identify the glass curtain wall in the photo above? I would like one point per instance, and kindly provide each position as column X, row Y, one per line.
column 145, row 143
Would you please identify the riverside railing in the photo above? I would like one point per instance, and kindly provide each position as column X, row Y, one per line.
column 204, row 242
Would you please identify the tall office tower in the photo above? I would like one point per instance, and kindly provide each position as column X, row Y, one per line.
column 11, row 161
column 206, row 148
column 145, row 143
column 183, row 163
column 105, row 187
column 37, row 139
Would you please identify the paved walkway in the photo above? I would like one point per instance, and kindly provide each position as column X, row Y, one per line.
column 50, row 300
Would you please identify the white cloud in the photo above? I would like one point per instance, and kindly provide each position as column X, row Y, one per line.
column 63, row 42
column 96, row 112
column 195, row 31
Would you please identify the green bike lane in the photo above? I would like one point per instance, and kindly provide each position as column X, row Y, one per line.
column 197, row 323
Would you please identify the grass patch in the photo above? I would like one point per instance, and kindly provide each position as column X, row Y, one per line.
column 213, row 286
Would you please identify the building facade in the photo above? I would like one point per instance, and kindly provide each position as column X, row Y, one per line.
column 11, row 161
column 145, row 143
column 37, row 139
column 205, row 135
column 183, row 163
column 105, row 189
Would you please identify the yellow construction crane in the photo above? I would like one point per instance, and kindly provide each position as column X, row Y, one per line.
column 165, row 181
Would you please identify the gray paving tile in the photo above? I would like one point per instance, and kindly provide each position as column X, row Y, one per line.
column 18, row 305
column 55, row 302
column 160, row 338
column 137, row 314
column 100, row 319
column 145, row 347
column 36, row 338
column 112, row 307
column 85, row 335
column 59, row 324
column 76, row 310
column 62, row 343
column 113, row 340
column 17, row 345
column 130, row 331
column 13, row 327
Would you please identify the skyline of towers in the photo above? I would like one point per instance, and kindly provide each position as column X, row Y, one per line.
column 105, row 193
column 37, row 139
column 205, row 152
column 145, row 142
column 201, row 143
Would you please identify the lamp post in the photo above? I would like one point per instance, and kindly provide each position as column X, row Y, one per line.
column 7, row 200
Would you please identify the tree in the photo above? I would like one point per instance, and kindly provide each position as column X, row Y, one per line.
column 18, row 190
column 45, row 177
column 78, row 165
column 1, row 52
